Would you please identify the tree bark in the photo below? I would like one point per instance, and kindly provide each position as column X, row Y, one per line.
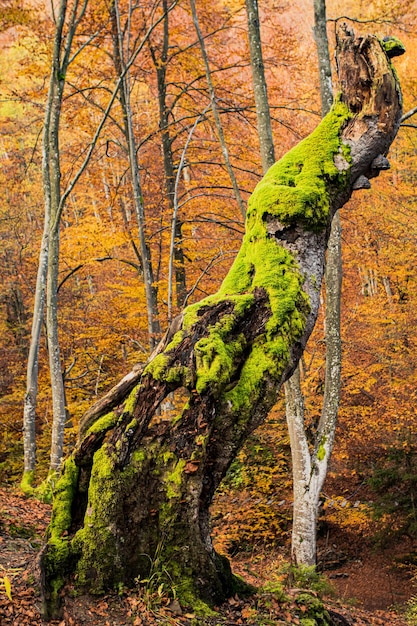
column 266, row 142
column 310, row 466
column 322, row 44
column 48, row 263
column 122, row 69
column 31, row 395
column 216, row 114
column 139, row 487
column 169, row 168
column 306, row 488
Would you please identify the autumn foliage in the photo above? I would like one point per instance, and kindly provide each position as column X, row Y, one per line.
column 102, row 316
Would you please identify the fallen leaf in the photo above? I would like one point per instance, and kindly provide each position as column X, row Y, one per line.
column 8, row 587
column 175, row 607
column 191, row 467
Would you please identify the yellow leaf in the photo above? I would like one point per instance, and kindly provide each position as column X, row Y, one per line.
column 8, row 587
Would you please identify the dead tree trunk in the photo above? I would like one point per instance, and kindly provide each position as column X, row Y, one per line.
column 138, row 487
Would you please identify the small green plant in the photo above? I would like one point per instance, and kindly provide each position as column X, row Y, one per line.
column 411, row 611
column 313, row 610
column 17, row 530
column 45, row 491
column 276, row 589
column 158, row 584
column 307, row 577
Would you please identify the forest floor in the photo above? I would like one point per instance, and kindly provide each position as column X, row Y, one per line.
column 370, row 586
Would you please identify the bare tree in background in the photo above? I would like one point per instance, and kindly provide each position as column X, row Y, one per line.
column 67, row 22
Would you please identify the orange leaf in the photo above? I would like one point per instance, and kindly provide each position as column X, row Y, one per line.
column 191, row 467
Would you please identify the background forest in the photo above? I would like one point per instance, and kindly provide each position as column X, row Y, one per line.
column 131, row 256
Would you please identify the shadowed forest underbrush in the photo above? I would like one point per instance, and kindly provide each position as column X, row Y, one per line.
column 361, row 580
column 367, row 549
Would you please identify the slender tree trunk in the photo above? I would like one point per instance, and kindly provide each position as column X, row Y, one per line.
column 30, row 403
column 310, row 468
column 154, row 329
column 175, row 208
column 216, row 114
column 51, row 189
column 307, row 488
column 137, row 487
column 266, row 142
column 168, row 161
column 322, row 44
column 54, row 203
column 303, row 549
column 55, row 366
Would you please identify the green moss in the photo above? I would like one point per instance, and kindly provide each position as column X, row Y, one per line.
column 103, row 424
column 173, row 476
column 138, row 457
column 56, row 558
column 188, row 596
column 216, row 358
column 45, row 491
column 26, row 484
column 186, row 591
column 295, row 191
column 178, row 337
column 215, row 355
column 96, row 541
column 63, row 496
column 131, row 400
column 241, row 302
column 254, row 369
column 393, row 46
column 179, row 373
column 158, row 366
column 167, row 456
column 314, row 611
column 321, row 452
column 173, row 480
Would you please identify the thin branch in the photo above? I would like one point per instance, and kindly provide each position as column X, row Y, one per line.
column 407, row 115
column 203, row 273
column 175, row 210
column 120, row 79
column 215, row 111
column 84, row 45
column 98, row 260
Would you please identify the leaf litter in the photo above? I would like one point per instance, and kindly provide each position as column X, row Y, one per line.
column 22, row 525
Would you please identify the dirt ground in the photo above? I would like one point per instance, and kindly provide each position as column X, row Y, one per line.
column 366, row 575
column 371, row 586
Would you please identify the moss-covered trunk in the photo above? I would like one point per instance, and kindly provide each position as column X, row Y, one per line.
column 134, row 497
